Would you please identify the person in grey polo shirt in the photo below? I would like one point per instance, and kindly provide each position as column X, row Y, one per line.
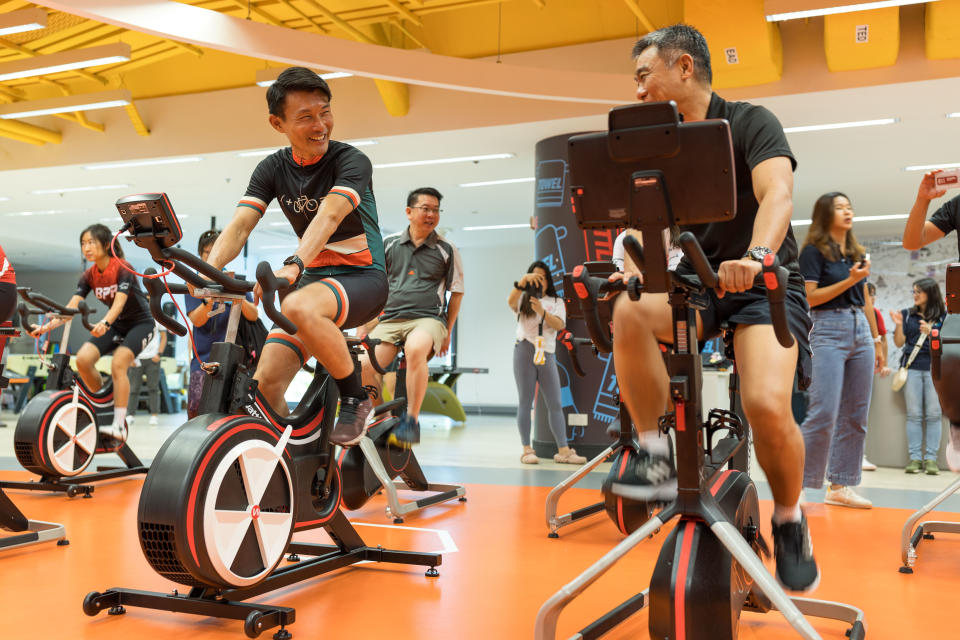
column 422, row 266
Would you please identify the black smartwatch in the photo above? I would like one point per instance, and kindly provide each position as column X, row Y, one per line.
column 295, row 259
column 758, row 253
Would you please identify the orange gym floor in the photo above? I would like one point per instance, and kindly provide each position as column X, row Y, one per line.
column 503, row 569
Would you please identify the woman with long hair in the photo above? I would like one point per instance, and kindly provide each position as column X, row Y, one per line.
column 846, row 351
column 540, row 315
column 927, row 313
column 124, row 331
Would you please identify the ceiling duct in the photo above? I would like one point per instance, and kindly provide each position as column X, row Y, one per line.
column 943, row 29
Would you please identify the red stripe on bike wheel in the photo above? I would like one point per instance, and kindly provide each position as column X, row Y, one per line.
column 680, row 587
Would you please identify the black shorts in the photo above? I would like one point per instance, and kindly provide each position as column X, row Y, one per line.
column 133, row 337
column 360, row 296
column 751, row 307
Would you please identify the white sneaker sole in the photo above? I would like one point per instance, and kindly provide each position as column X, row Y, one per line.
column 852, row 505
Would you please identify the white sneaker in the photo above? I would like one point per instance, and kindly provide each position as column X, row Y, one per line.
column 952, row 451
column 866, row 465
column 155, row 420
column 846, row 497
column 114, row 433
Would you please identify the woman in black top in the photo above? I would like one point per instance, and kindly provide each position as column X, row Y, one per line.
column 845, row 352
column 928, row 312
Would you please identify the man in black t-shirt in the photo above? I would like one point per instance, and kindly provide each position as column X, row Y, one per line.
column 918, row 233
column 674, row 64
column 324, row 188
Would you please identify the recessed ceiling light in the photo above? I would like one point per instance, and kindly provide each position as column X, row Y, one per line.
column 48, row 212
column 141, row 163
column 841, row 125
column 417, row 163
column 101, row 187
column 848, row 8
column 928, row 167
column 493, row 182
column 498, row 226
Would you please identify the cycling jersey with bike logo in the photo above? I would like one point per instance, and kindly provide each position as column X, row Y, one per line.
column 112, row 280
column 300, row 189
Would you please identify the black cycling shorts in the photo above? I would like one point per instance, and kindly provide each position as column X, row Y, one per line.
column 751, row 307
column 133, row 337
column 360, row 296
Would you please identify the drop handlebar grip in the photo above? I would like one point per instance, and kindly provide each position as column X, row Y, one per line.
column 775, row 280
column 271, row 285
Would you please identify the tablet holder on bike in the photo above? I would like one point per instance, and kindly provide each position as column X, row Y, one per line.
column 650, row 171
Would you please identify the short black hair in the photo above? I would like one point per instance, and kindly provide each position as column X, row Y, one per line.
column 102, row 234
column 294, row 79
column 207, row 238
column 673, row 41
column 871, row 289
column 422, row 191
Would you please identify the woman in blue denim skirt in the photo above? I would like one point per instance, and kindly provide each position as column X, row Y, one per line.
column 928, row 312
column 846, row 351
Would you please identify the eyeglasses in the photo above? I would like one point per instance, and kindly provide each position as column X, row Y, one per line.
column 428, row 209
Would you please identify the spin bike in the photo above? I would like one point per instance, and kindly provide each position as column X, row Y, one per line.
column 229, row 488
column 709, row 569
column 945, row 371
column 57, row 434
column 626, row 513
column 28, row 532
column 375, row 464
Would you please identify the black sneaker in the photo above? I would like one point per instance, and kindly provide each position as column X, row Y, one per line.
column 406, row 433
column 647, row 476
column 797, row 569
column 355, row 414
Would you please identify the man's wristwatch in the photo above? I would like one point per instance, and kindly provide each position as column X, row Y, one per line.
column 757, row 253
column 295, row 259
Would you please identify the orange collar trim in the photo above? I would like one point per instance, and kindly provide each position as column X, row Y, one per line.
column 302, row 162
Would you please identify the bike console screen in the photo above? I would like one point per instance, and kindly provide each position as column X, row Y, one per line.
column 151, row 220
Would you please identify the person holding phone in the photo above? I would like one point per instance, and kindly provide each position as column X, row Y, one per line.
column 540, row 315
column 928, row 312
column 846, row 351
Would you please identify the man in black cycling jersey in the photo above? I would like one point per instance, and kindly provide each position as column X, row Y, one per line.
column 325, row 190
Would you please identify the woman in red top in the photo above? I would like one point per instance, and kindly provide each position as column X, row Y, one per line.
column 8, row 293
column 124, row 331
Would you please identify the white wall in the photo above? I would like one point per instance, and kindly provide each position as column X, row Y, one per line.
column 486, row 326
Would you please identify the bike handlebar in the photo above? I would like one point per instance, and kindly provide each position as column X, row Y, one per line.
column 47, row 305
column 156, row 290
column 571, row 342
column 271, row 286
column 369, row 344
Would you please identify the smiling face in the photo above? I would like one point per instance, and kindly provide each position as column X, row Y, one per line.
column 307, row 122
column 424, row 215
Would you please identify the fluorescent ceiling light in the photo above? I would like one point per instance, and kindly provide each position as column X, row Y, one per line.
column 928, row 167
column 955, row 114
column 65, row 61
column 101, row 187
column 498, row 226
column 65, row 104
column 141, row 163
column 23, row 20
column 492, row 182
column 4, row 198
column 895, row 216
column 266, row 152
column 49, row 212
column 848, row 8
column 417, row 163
column 266, row 77
column 842, row 125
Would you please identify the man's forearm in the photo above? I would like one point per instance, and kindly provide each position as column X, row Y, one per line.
column 453, row 310
column 228, row 243
column 333, row 210
column 913, row 232
column 773, row 220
